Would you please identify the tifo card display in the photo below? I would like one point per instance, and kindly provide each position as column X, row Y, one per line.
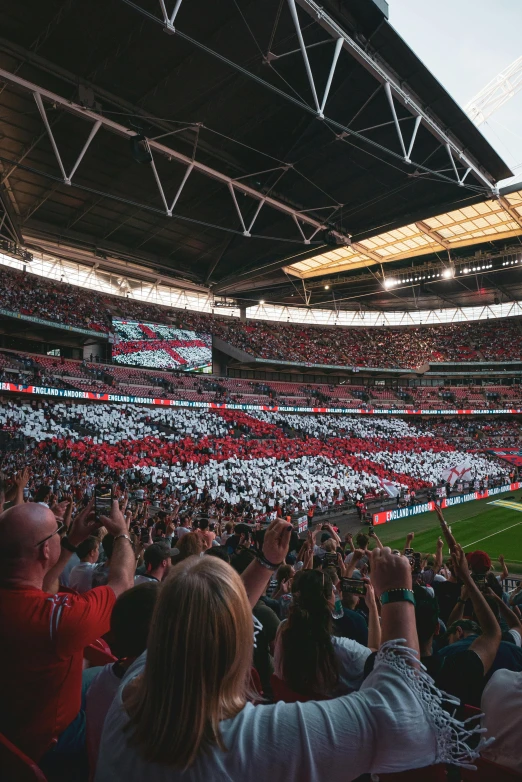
column 161, row 347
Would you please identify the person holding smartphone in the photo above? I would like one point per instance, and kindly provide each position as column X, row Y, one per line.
column 163, row 726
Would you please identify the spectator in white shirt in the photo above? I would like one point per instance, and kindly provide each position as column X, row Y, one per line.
column 81, row 575
column 308, row 657
column 163, row 726
column 502, row 705
column 130, row 621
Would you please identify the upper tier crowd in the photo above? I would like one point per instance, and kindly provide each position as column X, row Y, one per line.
column 410, row 347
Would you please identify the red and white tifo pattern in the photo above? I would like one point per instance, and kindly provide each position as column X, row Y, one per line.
column 237, row 456
column 160, row 347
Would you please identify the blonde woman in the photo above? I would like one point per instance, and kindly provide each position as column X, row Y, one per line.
column 186, row 713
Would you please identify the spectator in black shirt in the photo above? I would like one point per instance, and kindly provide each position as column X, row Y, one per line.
column 461, row 671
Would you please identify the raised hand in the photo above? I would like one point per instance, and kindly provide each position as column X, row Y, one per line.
column 83, row 525
column 460, row 565
column 448, row 535
column 115, row 523
column 389, row 571
column 22, row 478
column 277, row 541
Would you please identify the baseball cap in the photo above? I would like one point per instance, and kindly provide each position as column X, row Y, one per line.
column 479, row 561
column 155, row 554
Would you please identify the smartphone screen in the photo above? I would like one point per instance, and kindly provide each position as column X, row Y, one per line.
column 330, row 559
column 353, row 586
column 480, row 581
column 102, row 499
column 144, row 534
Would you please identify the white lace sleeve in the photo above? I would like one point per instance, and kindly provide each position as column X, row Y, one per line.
column 452, row 734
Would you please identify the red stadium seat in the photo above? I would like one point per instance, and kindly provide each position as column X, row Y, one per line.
column 17, row 767
column 98, row 653
column 282, row 692
column 255, row 681
column 426, row 774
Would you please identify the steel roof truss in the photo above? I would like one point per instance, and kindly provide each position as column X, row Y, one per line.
column 154, row 146
column 67, row 178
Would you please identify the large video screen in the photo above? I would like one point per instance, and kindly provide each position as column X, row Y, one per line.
column 160, row 347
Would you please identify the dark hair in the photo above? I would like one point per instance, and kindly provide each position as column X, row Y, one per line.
column 130, row 619
column 218, row 551
column 426, row 613
column 466, row 625
column 284, row 572
column 203, row 523
column 108, row 545
column 310, row 666
column 42, row 493
column 156, row 554
column 242, row 560
column 86, row 546
column 362, row 540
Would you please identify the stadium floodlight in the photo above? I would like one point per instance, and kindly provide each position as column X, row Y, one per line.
column 327, row 287
column 261, row 301
column 448, row 273
column 389, row 282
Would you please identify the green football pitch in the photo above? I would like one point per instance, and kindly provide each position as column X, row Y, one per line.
column 475, row 525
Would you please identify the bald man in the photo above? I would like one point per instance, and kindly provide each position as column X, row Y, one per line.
column 43, row 632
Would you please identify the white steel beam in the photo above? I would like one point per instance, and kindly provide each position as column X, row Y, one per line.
column 511, row 210
column 373, row 65
column 95, row 128
column 169, row 19
column 499, row 90
column 385, row 76
column 297, row 25
column 425, row 229
column 155, row 146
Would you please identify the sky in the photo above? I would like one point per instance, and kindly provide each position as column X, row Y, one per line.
column 465, row 44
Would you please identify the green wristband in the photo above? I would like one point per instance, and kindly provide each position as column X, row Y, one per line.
column 398, row 596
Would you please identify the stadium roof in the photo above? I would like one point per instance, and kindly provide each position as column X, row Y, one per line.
column 485, row 221
column 261, row 128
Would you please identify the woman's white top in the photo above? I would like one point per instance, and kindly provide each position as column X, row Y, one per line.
column 351, row 657
column 502, row 707
column 394, row 722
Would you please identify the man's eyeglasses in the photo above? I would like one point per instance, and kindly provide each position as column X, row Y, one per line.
column 59, row 529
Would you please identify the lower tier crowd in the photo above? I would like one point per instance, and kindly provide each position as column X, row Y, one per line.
column 168, row 646
column 234, row 462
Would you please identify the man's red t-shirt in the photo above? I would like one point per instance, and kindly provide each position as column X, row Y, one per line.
column 42, row 638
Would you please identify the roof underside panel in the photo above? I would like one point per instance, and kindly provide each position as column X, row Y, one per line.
column 474, row 224
column 256, row 123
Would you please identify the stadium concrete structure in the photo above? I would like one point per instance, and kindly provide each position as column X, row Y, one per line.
column 281, row 193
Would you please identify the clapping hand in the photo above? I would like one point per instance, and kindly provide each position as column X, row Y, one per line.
column 83, row 525
column 277, row 541
column 389, row 571
column 460, row 565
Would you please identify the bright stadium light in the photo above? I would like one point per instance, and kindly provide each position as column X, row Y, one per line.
column 261, row 301
column 327, row 287
column 448, row 273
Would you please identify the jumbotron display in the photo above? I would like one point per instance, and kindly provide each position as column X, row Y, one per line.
column 161, row 347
